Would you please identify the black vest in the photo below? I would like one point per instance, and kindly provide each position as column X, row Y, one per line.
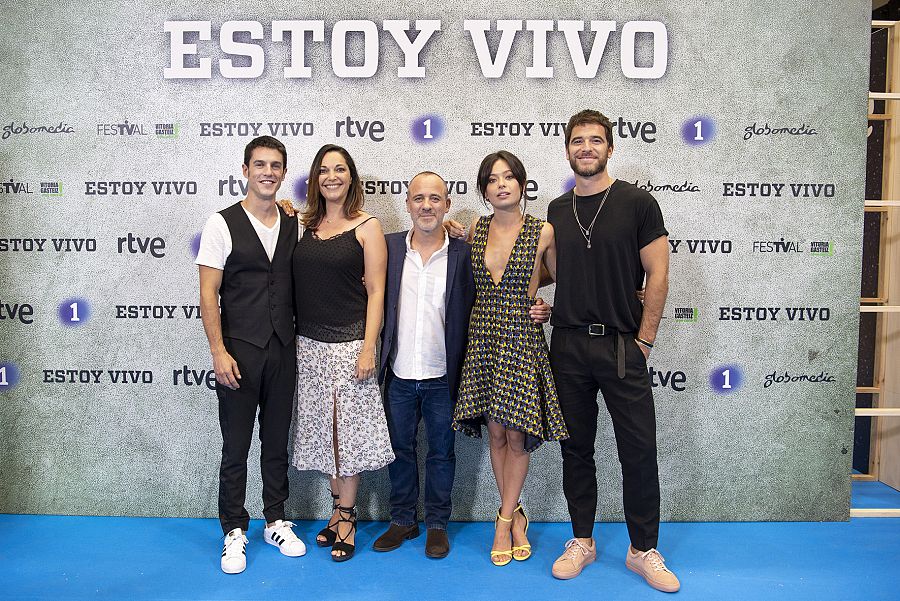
column 256, row 294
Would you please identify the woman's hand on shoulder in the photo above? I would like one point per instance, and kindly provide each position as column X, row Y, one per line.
column 287, row 206
column 455, row 229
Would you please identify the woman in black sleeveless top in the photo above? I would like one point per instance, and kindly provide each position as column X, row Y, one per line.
column 339, row 276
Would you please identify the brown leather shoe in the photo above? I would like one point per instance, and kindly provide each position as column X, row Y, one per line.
column 437, row 545
column 394, row 537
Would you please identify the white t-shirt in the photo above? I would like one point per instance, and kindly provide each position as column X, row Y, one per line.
column 215, row 241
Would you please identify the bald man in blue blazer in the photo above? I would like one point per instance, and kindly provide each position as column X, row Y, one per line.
column 429, row 296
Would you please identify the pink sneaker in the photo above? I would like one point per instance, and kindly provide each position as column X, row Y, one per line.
column 651, row 565
column 574, row 558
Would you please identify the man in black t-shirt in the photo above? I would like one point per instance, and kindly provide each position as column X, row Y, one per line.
column 609, row 235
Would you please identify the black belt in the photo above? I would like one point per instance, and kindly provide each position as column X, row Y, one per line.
column 599, row 329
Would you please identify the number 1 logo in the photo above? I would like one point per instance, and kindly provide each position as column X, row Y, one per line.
column 9, row 376
column 427, row 129
column 74, row 312
column 725, row 379
column 699, row 130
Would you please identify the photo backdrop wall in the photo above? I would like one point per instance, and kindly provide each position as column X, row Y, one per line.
column 122, row 128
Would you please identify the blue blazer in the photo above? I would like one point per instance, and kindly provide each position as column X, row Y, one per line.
column 459, row 298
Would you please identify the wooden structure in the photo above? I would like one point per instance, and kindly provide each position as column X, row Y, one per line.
column 884, row 463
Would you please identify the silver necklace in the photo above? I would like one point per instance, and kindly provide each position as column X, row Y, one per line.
column 586, row 231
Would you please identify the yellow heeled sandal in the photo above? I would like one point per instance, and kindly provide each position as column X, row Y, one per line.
column 508, row 553
column 526, row 547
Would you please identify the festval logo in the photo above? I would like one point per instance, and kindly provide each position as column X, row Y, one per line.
column 9, row 376
column 699, row 130
column 427, row 129
column 569, row 183
column 195, row 245
column 725, row 379
column 74, row 312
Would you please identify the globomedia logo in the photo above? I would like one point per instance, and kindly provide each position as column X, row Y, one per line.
column 653, row 188
column 764, row 130
column 786, row 377
column 74, row 312
column 427, row 129
column 725, row 379
column 24, row 129
column 9, row 376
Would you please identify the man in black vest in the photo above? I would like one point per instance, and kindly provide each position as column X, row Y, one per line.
column 245, row 263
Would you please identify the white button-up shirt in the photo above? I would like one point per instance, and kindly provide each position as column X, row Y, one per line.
column 420, row 352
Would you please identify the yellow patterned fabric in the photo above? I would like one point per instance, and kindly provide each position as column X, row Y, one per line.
column 506, row 375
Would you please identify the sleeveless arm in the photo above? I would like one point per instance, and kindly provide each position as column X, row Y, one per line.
column 371, row 237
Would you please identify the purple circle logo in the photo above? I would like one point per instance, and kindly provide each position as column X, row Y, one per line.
column 301, row 187
column 725, row 379
column 195, row 245
column 569, row 183
column 74, row 312
column 9, row 376
column 698, row 131
column 427, row 129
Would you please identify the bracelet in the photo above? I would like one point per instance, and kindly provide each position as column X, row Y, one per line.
column 643, row 342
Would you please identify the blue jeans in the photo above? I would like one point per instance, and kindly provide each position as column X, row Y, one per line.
column 408, row 401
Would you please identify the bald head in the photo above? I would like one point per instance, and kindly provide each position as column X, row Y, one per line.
column 427, row 201
column 432, row 177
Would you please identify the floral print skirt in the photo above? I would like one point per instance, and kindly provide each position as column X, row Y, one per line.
column 328, row 394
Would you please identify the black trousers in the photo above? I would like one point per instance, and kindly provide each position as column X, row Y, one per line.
column 268, row 381
column 582, row 365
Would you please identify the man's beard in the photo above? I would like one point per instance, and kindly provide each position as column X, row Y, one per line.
column 598, row 167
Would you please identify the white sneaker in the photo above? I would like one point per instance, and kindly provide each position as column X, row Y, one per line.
column 281, row 535
column 234, row 557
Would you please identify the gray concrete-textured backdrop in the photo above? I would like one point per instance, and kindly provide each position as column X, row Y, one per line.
column 760, row 453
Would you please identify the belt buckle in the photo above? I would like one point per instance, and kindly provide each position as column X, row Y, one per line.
column 596, row 329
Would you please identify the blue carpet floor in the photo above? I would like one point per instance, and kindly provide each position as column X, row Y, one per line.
column 58, row 557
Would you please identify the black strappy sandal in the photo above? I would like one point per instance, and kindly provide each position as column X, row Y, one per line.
column 327, row 533
column 340, row 544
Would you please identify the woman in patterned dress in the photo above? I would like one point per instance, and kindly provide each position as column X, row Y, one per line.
column 506, row 381
column 340, row 264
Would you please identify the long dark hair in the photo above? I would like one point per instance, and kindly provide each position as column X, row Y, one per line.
column 314, row 212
